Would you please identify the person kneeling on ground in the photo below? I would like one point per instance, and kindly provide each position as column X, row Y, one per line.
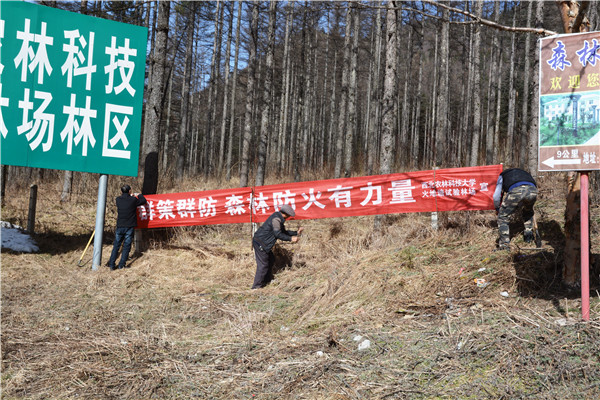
column 515, row 188
column 264, row 240
column 126, row 223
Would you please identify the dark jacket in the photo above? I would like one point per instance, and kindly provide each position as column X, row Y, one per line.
column 514, row 176
column 271, row 230
column 126, row 210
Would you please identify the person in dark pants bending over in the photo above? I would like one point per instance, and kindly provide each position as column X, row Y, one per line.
column 515, row 188
column 264, row 240
column 126, row 223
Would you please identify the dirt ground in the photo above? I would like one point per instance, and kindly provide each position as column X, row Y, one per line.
column 351, row 314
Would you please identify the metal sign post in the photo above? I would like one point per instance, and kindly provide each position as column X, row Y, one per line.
column 100, row 208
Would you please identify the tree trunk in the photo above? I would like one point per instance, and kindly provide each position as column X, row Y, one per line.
column 372, row 138
column 283, row 119
column 390, row 91
column 496, row 55
column 510, row 130
column 526, row 72
column 244, row 170
column 441, row 131
column 533, row 134
column 155, row 102
column 215, row 78
column 225, row 97
column 183, row 138
column 476, row 87
column 343, row 110
column 266, row 103
column 404, row 147
column 352, row 118
column 416, row 128
column 233, row 92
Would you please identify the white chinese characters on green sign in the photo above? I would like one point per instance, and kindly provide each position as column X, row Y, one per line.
column 71, row 90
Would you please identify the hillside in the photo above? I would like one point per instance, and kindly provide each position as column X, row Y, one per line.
column 182, row 323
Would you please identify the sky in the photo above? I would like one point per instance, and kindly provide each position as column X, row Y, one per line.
column 14, row 239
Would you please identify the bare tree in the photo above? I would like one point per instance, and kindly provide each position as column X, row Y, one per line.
column 154, row 109
column 245, row 156
column 343, row 109
column 352, row 118
column 389, row 90
column 233, row 91
column 226, row 96
column 476, row 87
column 183, row 138
column 441, row 131
column 266, row 103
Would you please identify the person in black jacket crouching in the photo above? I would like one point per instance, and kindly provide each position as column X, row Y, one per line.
column 515, row 189
column 126, row 223
column 264, row 240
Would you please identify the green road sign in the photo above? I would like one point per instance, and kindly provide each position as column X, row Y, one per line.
column 71, row 90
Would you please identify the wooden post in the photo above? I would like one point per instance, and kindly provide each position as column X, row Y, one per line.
column 32, row 204
column 138, row 241
column 3, row 184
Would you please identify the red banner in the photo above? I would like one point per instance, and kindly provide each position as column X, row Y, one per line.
column 453, row 189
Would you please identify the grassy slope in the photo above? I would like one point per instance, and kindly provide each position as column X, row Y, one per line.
column 182, row 323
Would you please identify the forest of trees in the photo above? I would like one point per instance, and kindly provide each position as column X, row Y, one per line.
column 255, row 89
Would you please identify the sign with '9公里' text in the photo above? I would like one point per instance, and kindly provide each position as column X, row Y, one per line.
column 569, row 126
column 71, row 90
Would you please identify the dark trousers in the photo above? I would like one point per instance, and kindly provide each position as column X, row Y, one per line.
column 264, row 266
column 122, row 236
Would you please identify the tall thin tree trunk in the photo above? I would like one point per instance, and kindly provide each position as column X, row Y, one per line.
column 215, row 78
column 532, row 141
column 372, row 141
column 266, row 103
column 283, row 119
column 510, row 130
column 155, row 102
column 352, row 118
column 245, row 156
column 416, row 128
column 441, row 132
column 524, row 117
column 226, row 97
column 490, row 133
column 476, row 87
column 343, row 110
column 390, row 91
column 183, row 138
column 233, row 92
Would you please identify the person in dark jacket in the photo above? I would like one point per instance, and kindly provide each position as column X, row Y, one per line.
column 126, row 223
column 264, row 240
column 515, row 188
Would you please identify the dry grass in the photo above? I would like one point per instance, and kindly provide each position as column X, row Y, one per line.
column 183, row 323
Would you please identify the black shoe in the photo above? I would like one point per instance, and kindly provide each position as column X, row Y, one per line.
column 528, row 236
column 112, row 267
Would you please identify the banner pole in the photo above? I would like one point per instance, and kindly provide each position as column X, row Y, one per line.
column 100, row 208
column 585, row 248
